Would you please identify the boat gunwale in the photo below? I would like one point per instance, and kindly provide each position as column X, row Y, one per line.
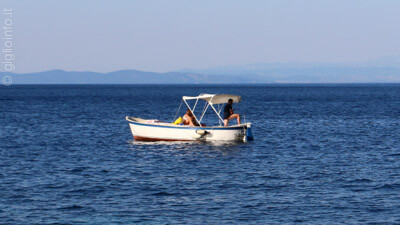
column 172, row 126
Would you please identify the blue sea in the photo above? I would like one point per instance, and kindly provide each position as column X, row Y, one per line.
column 322, row 154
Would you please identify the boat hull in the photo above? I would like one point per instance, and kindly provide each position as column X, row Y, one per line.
column 142, row 131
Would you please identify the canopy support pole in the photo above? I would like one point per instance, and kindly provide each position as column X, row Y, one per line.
column 219, row 112
column 192, row 112
column 204, row 112
column 195, row 104
column 219, row 116
column 177, row 111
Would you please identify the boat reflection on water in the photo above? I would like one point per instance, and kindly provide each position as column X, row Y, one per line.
column 224, row 147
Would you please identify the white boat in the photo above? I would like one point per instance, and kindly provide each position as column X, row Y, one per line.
column 154, row 130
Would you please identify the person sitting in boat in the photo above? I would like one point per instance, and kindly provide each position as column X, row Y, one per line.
column 188, row 119
column 229, row 114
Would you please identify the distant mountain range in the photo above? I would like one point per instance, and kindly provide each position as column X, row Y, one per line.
column 385, row 70
column 124, row 77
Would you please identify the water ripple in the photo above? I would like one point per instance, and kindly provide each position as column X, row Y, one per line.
column 321, row 155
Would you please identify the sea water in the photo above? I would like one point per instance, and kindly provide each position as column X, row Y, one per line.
column 322, row 154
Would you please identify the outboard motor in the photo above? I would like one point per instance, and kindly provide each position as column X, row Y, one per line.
column 249, row 134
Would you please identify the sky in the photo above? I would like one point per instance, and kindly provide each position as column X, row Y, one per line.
column 162, row 36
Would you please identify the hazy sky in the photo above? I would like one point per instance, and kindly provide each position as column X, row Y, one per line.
column 170, row 35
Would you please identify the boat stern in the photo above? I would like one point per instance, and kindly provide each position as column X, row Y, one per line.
column 249, row 134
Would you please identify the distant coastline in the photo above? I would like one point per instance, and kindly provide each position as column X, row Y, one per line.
column 249, row 74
